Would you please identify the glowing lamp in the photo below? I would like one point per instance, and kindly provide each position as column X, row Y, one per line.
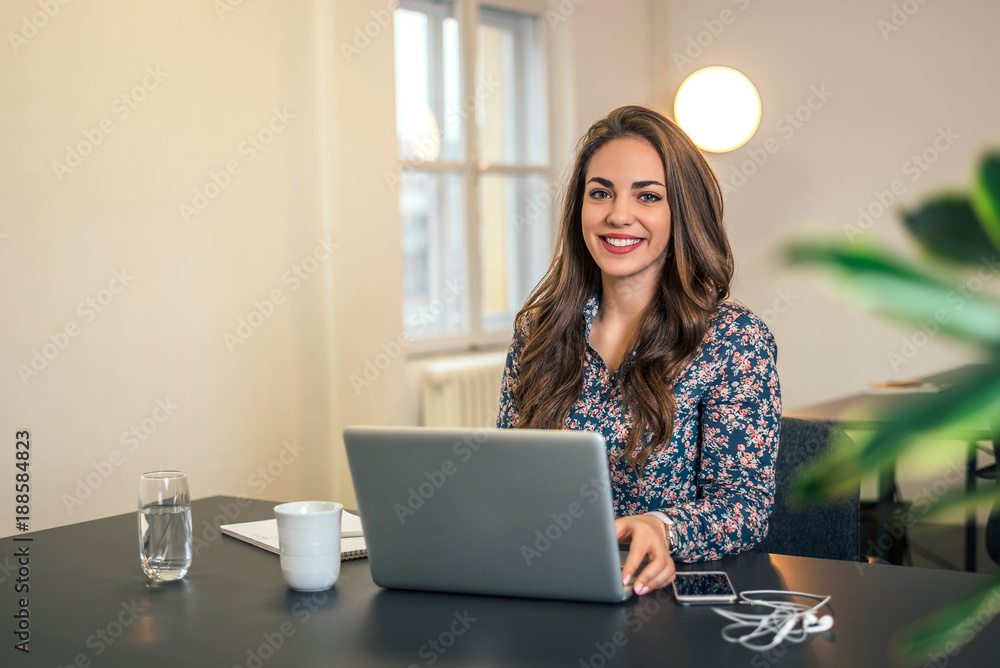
column 718, row 108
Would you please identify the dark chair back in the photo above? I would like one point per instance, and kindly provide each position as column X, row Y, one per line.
column 828, row 528
column 993, row 523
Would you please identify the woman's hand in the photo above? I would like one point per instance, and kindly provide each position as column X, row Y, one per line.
column 647, row 537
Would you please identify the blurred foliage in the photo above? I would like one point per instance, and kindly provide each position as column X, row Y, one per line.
column 950, row 226
column 960, row 235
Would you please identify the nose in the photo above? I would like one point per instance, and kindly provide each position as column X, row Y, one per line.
column 621, row 212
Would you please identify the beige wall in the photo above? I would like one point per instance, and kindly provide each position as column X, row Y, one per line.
column 260, row 416
column 322, row 176
column 256, row 414
column 895, row 84
column 886, row 95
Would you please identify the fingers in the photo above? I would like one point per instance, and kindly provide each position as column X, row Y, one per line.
column 622, row 529
column 648, row 541
column 632, row 563
column 655, row 575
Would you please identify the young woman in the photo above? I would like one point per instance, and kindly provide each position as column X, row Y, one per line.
column 629, row 335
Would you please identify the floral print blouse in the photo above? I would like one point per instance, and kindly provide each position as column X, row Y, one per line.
column 715, row 478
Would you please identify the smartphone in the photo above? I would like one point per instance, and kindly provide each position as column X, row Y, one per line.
column 706, row 587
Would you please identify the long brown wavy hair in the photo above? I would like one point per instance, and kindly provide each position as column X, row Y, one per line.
column 696, row 275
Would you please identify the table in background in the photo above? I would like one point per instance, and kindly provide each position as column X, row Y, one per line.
column 865, row 412
column 233, row 609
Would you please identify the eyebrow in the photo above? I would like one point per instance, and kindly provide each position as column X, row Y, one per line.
column 635, row 186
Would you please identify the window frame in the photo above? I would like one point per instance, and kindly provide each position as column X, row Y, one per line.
column 472, row 168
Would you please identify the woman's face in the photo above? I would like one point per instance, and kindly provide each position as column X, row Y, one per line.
column 625, row 213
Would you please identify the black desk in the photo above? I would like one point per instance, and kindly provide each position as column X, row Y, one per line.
column 866, row 412
column 89, row 601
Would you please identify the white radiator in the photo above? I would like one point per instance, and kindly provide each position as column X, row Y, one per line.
column 461, row 392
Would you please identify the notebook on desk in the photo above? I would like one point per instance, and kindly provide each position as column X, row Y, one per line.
column 264, row 534
column 487, row 511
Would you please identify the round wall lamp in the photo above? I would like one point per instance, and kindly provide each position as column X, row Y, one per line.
column 717, row 107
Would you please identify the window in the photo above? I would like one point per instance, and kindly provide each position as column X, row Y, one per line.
column 474, row 197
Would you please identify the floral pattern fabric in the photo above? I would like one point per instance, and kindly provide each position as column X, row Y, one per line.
column 715, row 478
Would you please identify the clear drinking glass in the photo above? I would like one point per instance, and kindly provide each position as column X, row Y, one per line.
column 165, row 537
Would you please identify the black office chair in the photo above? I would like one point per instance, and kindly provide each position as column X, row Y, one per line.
column 992, row 472
column 827, row 529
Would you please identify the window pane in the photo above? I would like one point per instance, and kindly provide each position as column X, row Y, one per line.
column 516, row 243
column 428, row 118
column 508, row 92
column 434, row 117
column 434, row 267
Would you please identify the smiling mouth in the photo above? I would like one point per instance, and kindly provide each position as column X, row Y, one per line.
column 621, row 243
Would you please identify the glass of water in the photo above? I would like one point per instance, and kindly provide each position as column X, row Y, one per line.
column 165, row 538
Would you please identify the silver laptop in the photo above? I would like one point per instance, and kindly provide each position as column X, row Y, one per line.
column 487, row 511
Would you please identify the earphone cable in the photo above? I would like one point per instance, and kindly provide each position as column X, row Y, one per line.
column 787, row 620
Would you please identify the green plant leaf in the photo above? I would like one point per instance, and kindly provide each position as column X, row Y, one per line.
column 973, row 401
column 986, row 196
column 962, row 500
column 948, row 227
column 945, row 631
column 878, row 282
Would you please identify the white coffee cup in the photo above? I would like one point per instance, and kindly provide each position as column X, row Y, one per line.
column 309, row 541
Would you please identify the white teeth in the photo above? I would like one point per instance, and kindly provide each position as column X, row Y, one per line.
column 622, row 242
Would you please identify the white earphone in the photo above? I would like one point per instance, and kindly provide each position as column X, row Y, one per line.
column 813, row 625
column 789, row 621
